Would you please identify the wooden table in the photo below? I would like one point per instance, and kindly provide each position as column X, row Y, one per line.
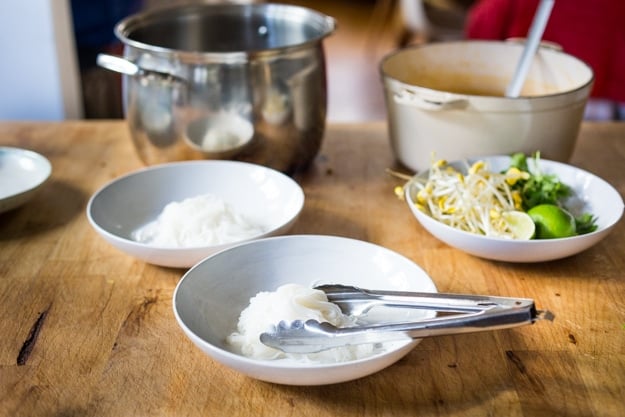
column 88, row 331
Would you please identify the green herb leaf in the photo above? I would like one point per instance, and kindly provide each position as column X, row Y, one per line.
column 542, row 188
column 519, row 161
column 585, row 223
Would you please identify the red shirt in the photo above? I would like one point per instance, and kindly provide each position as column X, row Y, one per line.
column 591, row 30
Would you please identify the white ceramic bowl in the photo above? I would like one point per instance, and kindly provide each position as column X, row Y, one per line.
column 593, row 195
column 264, row 196
column 22, row 174
column 210, row 297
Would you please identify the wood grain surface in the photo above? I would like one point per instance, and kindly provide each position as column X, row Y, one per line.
column 88, row 331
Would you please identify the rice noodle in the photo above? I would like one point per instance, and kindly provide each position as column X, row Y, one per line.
column 473, row 202
column 204, row 220
column 292, row 302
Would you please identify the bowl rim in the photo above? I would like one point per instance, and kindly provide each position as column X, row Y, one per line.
column 296, row 188
column 43, row 167
column 288, row 364
column 39, row 176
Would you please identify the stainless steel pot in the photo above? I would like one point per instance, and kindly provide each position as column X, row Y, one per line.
column 244, row 82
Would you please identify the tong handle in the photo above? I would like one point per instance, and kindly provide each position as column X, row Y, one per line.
column 490, row 319
column 477, row 313
column 354, row 300
column 313, row 336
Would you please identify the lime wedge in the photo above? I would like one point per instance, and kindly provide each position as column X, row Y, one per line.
column 552, row 221
column 520, row 224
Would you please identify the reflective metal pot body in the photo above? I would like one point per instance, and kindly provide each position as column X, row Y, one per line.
column 243, row 82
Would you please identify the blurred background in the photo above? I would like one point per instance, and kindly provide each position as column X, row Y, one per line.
column 59, row 44
column 367, row 30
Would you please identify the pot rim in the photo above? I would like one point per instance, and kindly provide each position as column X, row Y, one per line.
column 324, row 24
column 495, row 100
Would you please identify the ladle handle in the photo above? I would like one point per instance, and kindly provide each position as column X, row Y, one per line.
column 533, row 40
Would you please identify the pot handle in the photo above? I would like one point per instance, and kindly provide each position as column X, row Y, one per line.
column 433, row 102
column 117, row 64
column 126, row 67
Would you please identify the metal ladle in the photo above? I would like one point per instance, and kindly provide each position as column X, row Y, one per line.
column 535, row 35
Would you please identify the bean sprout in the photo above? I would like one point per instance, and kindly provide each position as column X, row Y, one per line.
column 474, row 202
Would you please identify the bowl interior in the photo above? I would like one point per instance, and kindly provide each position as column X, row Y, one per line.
column 263, row 196
column 22, row 173
column 211, row 296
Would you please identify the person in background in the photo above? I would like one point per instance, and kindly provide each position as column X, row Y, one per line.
column 593, row 31
column 94, row 23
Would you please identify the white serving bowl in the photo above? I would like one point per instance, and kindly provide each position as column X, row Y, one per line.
column 22, row 174
column 210, row 297
column 593, row 195
column 264, row 196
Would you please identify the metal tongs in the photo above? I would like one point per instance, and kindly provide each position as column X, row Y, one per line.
column 461, row 314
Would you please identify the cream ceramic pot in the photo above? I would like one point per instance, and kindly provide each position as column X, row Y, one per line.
column 446, row 100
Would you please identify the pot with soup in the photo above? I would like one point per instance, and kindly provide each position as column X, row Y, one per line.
column 447, row 100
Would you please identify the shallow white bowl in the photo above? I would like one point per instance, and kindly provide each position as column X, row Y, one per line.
column 22, row 174
column 593, row 195
column 264, row 196
column 210, row 297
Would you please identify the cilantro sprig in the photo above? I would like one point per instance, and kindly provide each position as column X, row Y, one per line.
column 541, row 188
